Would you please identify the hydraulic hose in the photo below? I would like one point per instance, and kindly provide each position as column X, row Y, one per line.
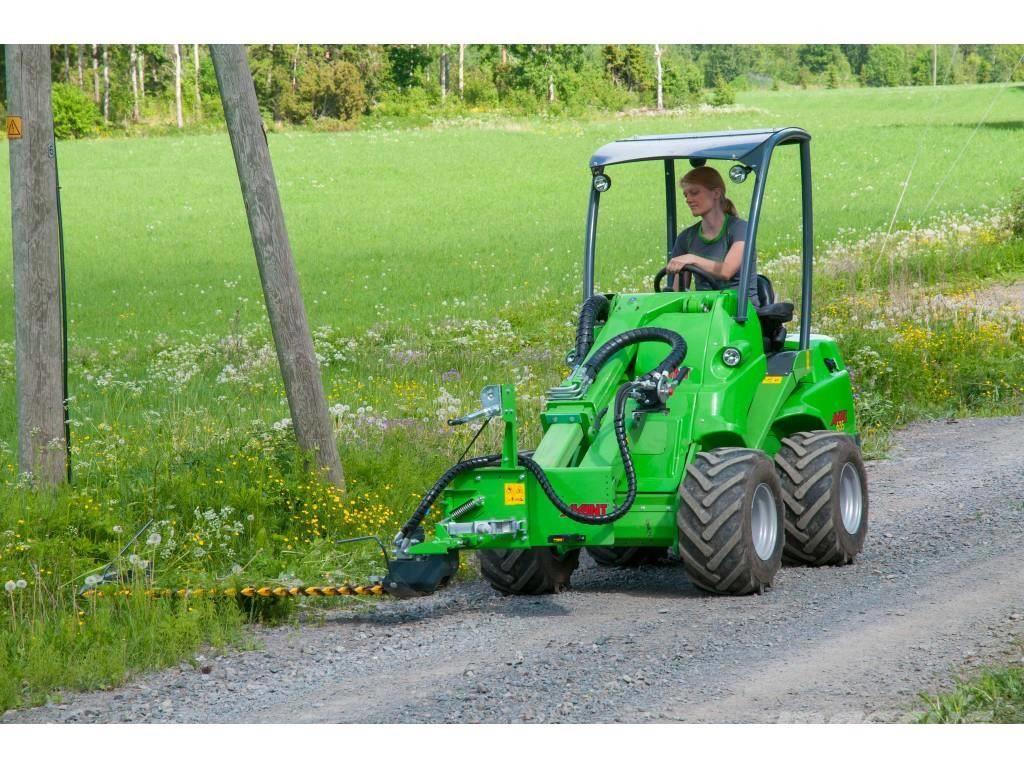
column 627, row 338
column 627, row 462
column 593, row 311
column 442, row 482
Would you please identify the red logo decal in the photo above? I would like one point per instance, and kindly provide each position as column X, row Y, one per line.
column 590, row 510
column 839, row 418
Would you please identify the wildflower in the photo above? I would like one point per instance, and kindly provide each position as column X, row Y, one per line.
column 154, row 539
column 90, row 581
column 21, row 584
column 133, row 559
column 10, row 586
column 118, row 529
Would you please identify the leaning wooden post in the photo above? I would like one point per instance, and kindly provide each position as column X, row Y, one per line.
column 38, row 328
column 280, row 280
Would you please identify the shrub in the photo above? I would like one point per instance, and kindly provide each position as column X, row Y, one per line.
column 724, row 93
column 74, row 114
column 1016, row 214
column 326, row 89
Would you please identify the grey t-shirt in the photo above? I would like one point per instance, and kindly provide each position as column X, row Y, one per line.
column 691, row 240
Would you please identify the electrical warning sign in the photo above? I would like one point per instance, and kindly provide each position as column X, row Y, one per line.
column 13, row 127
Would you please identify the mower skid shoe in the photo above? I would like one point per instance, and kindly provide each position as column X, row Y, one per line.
column 419, row 575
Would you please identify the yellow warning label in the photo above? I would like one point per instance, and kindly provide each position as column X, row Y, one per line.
column 13, row 127
column 515, row 493
column 771, row 380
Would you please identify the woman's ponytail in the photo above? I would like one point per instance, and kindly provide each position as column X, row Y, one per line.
column 728, row 207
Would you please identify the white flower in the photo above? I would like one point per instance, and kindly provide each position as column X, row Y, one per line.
column 21, row 584
column 90, row 581
column 118, row 529
column 154, row 539
column 10, row 586
column 133, row 559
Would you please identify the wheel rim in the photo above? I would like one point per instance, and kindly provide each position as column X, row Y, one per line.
column 764, row 521
column 851, row 500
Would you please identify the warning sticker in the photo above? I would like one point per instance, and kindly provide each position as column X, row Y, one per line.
column 13, row 127
column 515, row 493
column 771, row 380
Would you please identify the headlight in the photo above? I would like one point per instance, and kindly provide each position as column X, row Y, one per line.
column 602, row 183
column 731, row 357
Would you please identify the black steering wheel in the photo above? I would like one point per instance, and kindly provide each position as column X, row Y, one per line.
column 694, row 270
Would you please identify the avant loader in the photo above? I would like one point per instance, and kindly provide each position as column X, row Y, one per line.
column 692, row 423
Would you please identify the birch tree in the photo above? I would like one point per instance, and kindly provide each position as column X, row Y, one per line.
column 444, row 72
column 95, row 76
column 81, row 70
column 177, row 85
column 106, row 84
column 657, row 65
column 195, row 65
column 462, row 62
column 133, row 67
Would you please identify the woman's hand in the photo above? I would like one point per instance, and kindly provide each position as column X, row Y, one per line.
column 676, row 263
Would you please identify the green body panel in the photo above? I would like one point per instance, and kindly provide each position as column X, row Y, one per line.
column 750, row 405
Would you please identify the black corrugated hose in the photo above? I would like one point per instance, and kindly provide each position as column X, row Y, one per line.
column 593, row 311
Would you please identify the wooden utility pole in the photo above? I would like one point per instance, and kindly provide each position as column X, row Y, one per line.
column 38, row 329
column 288, row 321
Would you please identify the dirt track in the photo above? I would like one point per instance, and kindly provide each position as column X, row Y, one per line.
column 938, row 591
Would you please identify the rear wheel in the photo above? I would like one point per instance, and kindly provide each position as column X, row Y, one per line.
column 731, row 521
column 824, row 487
column 537, row 571
column 626, row 557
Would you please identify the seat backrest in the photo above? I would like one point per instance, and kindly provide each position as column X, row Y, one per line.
column 765, row 291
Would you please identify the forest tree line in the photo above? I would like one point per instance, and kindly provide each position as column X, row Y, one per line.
column 105, row 89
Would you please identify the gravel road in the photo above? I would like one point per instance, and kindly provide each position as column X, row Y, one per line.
column 938, row 591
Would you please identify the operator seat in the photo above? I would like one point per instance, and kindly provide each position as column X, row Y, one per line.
column 772, row 315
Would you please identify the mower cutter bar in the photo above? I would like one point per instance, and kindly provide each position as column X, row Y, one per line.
column 343, row 590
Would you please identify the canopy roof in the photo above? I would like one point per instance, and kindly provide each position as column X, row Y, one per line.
column 745, row 146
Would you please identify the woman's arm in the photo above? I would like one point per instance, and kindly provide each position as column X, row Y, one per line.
column 724, row 270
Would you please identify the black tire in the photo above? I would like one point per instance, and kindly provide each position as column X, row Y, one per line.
column 811, row 468
column 716, row 521
column 626, row 557
column 537, row 571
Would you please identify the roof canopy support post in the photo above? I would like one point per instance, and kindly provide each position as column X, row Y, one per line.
column 670, row 204
column 749, row 266
column 590, row 244
column 808, row 232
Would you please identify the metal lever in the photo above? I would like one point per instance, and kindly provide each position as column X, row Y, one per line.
column 490, row 399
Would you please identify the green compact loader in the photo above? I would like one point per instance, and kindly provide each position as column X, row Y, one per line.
column 691, row 424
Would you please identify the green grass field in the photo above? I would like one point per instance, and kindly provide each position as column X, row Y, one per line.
column 434, row 261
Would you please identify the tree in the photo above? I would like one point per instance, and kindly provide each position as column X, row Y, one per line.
column 327, row 89
column 177, row 85
column 885, row 65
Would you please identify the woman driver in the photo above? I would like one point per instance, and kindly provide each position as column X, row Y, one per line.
column 715, row 243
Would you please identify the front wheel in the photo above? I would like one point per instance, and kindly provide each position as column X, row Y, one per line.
column 824, row 487
column 536, row 571
column 731, row 521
